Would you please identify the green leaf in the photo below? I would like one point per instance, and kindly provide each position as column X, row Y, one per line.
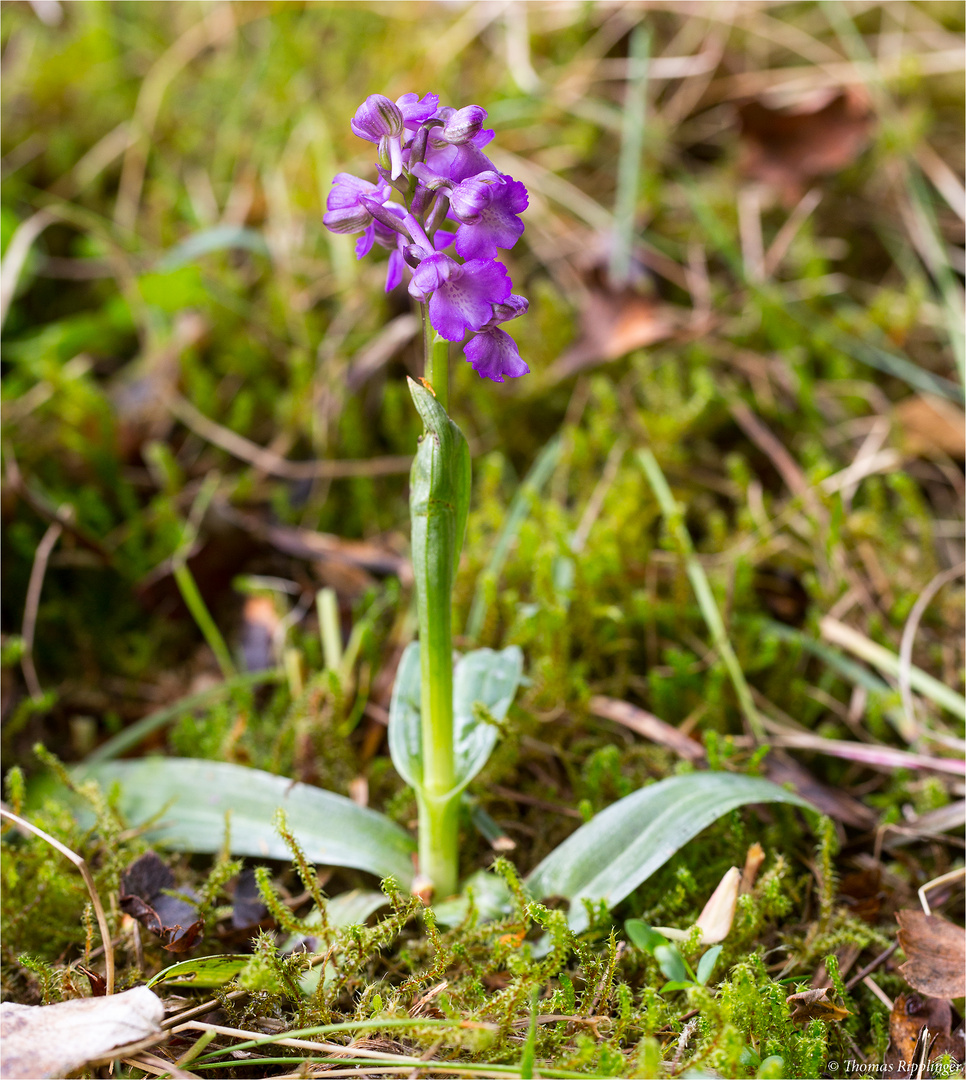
column 351, row 908
column 671, row 963
column 487, row 678
column 405, row 736
column 707, row 962
column 439, row 485
column 611, row 855
column 643, row 936
column 483, row 677
column 675, row 984
column 204, row 972
column 191, row 799
column 491, row 898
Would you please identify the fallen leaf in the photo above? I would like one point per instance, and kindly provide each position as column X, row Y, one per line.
column 815, row 1005
column 145, row 895
column 787, row 148
column 613, row 324
column 930, row 426
column 56, row 1040
column 910, row 1014
column 835, row 803
column 936, row 954
column 862, row 891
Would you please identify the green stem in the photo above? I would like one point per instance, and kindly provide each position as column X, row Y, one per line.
column 439, row 497
column 437, row 360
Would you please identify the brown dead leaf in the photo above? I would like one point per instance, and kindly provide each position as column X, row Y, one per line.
column 862, row 891
column 932, row 425
column 936, row 951
column 787, row 148
column 815, row 1005
column 58, row 1040
column 613, row 324
column 835, row 803
column 910, row 1014
column 146, row 886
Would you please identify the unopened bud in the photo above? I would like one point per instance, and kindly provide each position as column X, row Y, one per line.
column 464, row 124
column 719, row 912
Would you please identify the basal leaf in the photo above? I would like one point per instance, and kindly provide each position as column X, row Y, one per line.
column 405, row 735
column 611, row 855
column 483, row 677
column 190, row 800
column 491, row 679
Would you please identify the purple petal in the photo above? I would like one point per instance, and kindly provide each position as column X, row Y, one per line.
column 431, row 273
column 457, row 163
column 365, row 242
column 498, row 225
column 415, row 109
column 464, row 301
column 394, row 272
column 494, row 354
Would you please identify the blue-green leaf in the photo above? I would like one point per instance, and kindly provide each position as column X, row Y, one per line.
column 190, row 800
column 621, row 847
column 490, row 679
column 483, row 677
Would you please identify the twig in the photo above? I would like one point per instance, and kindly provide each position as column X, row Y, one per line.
column 200, row 1010
column 648, row 725
column 158, row 1066
column 886, row 758
column 885, row 660
column 32, row 603
column 81, row 865
column 16, row 255
column 240, row 447
column 941, row 880
column 909, row 636
column 869, row 968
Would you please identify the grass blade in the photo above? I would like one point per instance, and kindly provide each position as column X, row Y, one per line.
column 702, row 589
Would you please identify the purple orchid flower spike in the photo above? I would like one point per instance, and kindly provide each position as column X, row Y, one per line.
column 460, row 298
column 491, row 351
column 457, row 211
